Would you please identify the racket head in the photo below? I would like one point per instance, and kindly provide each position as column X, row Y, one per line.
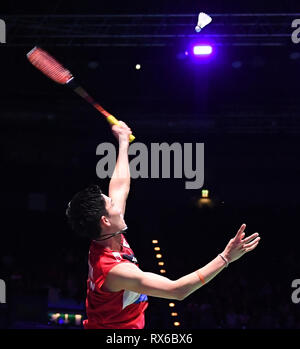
column 48, row 65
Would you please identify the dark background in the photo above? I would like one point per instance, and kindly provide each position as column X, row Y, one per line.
column 248, row 120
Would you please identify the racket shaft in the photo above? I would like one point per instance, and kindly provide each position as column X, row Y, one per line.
column 109, row 117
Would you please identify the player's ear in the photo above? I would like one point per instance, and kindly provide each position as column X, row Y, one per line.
column 104, row 221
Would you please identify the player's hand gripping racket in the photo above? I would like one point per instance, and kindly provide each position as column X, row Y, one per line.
column 55, row 71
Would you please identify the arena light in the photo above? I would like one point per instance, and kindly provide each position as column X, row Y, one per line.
column 204, row 202
column 163, row 271
column 200, row 50
column 78, row 319
column 54, row 317
column 205, row 193
column 65, row 319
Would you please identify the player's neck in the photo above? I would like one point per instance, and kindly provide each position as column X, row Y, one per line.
column 114, row 243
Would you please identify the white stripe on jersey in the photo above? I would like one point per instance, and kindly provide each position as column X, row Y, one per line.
column 129, row 297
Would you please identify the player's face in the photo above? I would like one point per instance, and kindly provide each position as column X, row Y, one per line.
column 115, row 216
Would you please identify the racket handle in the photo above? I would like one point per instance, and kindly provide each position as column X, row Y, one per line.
column 113, row 121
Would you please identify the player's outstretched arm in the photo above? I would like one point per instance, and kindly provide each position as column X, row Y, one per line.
column 120, row 182
column 127, row 276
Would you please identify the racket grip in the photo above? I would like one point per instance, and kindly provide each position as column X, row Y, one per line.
column 113, row 121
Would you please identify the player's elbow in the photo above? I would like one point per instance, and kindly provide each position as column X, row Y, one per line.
column 181, row 296
column 181, row 290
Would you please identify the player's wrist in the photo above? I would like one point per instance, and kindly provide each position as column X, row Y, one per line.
column 225, row 258
column 124, row 142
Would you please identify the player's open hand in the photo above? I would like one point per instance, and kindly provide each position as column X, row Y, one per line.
column 121, row 132
column 240, row 245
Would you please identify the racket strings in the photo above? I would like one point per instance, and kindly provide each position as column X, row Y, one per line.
column 49, row 66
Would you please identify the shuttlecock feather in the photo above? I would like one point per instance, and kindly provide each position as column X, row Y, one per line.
column 203, row 20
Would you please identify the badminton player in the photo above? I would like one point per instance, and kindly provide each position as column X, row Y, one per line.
column 117, row 288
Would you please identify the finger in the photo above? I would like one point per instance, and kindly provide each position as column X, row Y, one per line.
column 122, row 124
column 240, row 231
column 119, row 124
column 251, row 243
column 249, row 238
column 251, row 248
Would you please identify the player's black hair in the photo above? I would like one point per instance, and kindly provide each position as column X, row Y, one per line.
column 85, row 210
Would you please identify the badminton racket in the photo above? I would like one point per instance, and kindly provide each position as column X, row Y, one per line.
column 48, row 65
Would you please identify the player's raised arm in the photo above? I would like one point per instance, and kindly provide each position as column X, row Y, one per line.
column 126, row 276
column 120, row 182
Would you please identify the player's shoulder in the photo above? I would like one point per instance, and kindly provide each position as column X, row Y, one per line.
column 125, row 269
column 98, row 255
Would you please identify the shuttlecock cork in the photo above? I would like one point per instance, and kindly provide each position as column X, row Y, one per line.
column 203, row 20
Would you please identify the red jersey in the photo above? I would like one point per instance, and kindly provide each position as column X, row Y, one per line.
column 112, row 310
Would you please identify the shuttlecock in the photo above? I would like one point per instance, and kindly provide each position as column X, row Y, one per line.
column 203, row 20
